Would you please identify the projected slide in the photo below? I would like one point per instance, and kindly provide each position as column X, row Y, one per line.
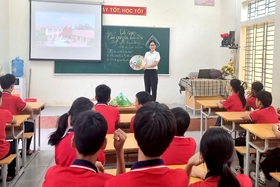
column 62, row 31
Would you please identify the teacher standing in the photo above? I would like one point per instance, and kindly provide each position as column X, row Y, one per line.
column 152, row 58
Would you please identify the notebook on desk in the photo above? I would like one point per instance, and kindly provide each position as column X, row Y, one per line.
column 204, row 74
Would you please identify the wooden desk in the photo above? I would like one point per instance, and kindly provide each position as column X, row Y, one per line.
column 129, row 145
column 37, row 107
column 275, row 175
column 233, row 117
column 204, row 113
column 192, row 179
column 127, row 110
column 264, row 132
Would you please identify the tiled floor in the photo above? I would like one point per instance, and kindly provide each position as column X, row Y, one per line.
column 35, row 171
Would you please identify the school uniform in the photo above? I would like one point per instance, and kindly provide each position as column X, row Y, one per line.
column 233, row 103
column 150, row 173
column 244, row 181
column 65, row 154
column 251, row 102
column 131, row 127
column 111, row 114
column 6, row 148
column 264, row 115
column 81, row 173
column 179, row 151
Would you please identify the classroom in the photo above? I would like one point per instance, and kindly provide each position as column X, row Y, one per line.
column 194, row 43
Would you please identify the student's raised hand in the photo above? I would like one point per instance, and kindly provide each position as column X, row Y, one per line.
column 196, row 159
column 99, row 166
column 119, row 139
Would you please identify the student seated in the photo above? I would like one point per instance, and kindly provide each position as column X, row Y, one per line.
column 154, row 129
column 7, row 147
column 216, row 151
column 251, row 98
column 264, row 114
column 16, row 105
column 234, row 103
column 65, row 154
column 111, row 114
column 181, row 148
column 140, row 99
column 271, row 163
column 90, row 130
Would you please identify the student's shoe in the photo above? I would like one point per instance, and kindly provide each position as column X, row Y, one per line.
column 261, row 180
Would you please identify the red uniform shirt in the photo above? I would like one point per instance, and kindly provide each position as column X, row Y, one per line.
column 5, row 117
column 264, row 115
column 179, row 151
column 244, row 181
column 81, row 173
column 65, row 154
column 131, row 129
column 251, row 102
column 12, row 103
column 151, row 173
column 111, row 114
column 233, row 103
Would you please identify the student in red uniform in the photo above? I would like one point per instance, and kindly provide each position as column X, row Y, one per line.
column 65, row 154
column 154, row 129
column 216, row 151
column 16, row 105
column 90, row 130
column 234, row 103
column 251, row 98
column 140, row 99
column 111, row 114
column 6, row 147
column 264, row 114
column 181, row 148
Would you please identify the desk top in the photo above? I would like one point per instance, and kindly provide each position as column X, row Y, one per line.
column 192, row 179
column 126, row 118
column 129, row 145
column 20, row 119
column 263, row 131
column 275, row 175
column 128, row 109
column 208, row 103
column 36, row 105
column 232, row 116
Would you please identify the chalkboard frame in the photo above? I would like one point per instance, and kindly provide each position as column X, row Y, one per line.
column 85, row 67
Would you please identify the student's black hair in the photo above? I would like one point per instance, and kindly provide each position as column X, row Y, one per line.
column 154, row 128
column 90, row 130
column 0, row 94
column 79, row 105
column 182, row 120
column 257, row 86
column 144, row 97
column 238, row 88
column 102, row 93
column 152, row 41
column 265, row 98
column 7, row 80
column 216, row 148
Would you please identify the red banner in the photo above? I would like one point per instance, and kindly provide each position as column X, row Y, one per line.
column 129, row 10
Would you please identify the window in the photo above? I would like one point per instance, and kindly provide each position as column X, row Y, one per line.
column 261, row 8
column 259, row 54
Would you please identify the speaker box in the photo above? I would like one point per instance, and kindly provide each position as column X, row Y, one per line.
column 226, row 42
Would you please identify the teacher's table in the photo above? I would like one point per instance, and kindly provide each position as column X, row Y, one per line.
column 127, row 110
column 192, row 179
column 129, row 145
column 233, row 117
column 206, row 110
column 126, row 118
column 268, row 141
column 13, row 131
column 37, row 108
column 203, row 89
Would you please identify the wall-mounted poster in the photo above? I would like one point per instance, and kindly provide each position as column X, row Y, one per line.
column 204, row 2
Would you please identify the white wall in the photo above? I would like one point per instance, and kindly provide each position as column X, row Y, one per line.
column 4, row 34
column 194, row 44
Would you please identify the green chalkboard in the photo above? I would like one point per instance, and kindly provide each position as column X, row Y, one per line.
column 119, row 44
